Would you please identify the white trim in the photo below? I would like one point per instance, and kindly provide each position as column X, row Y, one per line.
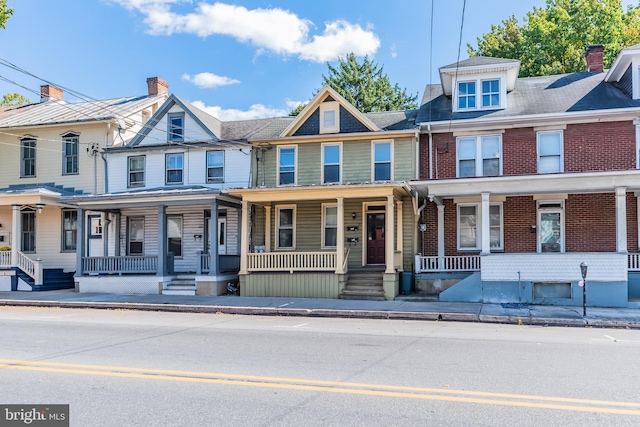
column 322, row 165
column 373, row 158
column 324, row 225
column 295, row 165
column 293, row 227
column 329, row 106
column 561, row 154
column 638, row 145
column 479, row 169
column 478, row 208
column 559, row 210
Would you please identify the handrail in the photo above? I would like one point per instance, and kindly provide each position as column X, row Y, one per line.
column 345, row 262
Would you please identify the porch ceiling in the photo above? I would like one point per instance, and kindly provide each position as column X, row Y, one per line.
column 571, row 183
column 153, row 199
column 281, row 194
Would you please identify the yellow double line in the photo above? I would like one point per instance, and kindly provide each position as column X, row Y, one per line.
column 462, row 396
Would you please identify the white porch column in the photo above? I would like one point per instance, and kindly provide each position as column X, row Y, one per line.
column 440, row 237
column 213, row 238
column 485, row 233
column 340, row 237
column 621, row 219
column 399, row 237
column 15, row 234
column 267, row 230
column 162, row 241
column 244, row 239
column 81, row 239
column 389, row 234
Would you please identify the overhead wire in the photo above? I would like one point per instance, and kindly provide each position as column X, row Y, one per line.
column 464, row 6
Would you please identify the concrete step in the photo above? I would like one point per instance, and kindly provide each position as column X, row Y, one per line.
column 362, row 295
column 364, row 286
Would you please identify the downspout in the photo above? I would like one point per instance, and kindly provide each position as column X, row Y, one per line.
column 417, row 174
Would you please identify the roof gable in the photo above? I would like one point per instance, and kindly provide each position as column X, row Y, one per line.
column 208, row 129
column 308, row 121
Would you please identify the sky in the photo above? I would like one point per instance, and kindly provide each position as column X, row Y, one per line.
column 235, row 59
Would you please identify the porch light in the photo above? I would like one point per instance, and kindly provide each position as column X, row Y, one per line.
column 40, row 206
column 353, row 215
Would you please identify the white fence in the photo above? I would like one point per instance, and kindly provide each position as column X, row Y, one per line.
column 427, row 264
column 292, row 261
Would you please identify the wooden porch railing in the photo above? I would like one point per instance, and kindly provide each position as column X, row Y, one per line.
column 29, row 266
column 426, row 264
column 119, row 264
column 5, row 258
column 292, row 261
column 634, row 262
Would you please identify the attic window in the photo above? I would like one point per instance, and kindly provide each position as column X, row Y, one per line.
column 329, row 117
column 480, row 94
column 176, row 127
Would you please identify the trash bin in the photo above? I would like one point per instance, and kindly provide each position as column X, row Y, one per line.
column 406, row 282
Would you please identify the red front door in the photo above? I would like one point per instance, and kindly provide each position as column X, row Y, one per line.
column 375, row 238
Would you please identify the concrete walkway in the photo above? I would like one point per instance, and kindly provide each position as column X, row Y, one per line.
column 402, row 308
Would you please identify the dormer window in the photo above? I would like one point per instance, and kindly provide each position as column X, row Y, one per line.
column 489, row 97
column 491, row 93
column 466, row 95
column 329, row 117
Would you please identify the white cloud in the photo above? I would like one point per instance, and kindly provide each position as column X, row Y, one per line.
column 256, row 111
column 294, row 104
column 393, row 51
column 273, row 29
column 209, row 80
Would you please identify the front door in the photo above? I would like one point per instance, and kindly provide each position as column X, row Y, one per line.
column 375, row 238
column 222, row 235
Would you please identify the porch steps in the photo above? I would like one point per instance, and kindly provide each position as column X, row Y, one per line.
column 181, row 286
column 365, row 284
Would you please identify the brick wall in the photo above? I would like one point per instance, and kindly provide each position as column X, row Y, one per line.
column 588, row 147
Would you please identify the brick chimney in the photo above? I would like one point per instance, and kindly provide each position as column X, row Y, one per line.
column 594, row 55
column 157, row 86
column 48, row 92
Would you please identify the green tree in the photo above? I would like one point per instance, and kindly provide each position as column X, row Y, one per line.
column 553, row 39
column 298, row 109
column 5, row 13
column 14, row 99
column 365, row 86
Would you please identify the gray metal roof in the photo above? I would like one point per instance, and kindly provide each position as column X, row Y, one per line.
column 57, row 111
column 561, row 93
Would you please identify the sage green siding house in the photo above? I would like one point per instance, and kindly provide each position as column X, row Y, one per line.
column 329, row 211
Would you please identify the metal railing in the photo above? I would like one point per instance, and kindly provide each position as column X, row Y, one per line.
column 292, row 261
column 425, row 264
column 226, row 263
column 119, row 264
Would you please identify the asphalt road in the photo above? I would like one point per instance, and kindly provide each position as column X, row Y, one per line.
column 127, row 368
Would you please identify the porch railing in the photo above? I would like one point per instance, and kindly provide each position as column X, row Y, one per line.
column 120, row 264
column 226, row 263
column 292, row 261
column 634, row 262
column 5, row 258
column 426, row 264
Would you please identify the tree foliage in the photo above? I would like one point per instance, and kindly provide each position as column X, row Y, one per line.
column 5, row 13
column 553, row 39
column 365, row 86
column 13, row 99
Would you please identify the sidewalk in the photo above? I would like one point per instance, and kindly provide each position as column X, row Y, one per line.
column 406, row 308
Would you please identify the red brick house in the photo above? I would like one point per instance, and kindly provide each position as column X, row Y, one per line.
column 523, row 179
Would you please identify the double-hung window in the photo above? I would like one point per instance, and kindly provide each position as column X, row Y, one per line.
column 28, row 231
column 491, row 93
column 70, row 143
column 175, row 129
column 27, row 158
column 215, row 166
column 479, row 156
column 329, row 226
column 466, row 95
column 550, row 152
column 382, row 156
column 286, row 217
column 69, row 229
column 135, row 171
column 331, row 154
column 174, row 168
column 174, row 235
column 287, row 165
column 135, row 236
column 469, row 227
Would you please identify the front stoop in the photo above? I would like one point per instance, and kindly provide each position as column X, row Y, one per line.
column 181, row 286
column 364, row 284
